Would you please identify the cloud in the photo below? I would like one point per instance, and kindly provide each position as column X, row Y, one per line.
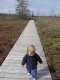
column 38, row 6
column 8, row 2
column 33, row 5
column 44, row 6
column 7, row 5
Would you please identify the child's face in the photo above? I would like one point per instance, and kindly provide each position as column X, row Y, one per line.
column 30, row 53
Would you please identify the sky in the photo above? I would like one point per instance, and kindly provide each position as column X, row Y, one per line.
column 40, row 7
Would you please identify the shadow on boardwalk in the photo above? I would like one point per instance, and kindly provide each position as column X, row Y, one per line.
column 42, row 73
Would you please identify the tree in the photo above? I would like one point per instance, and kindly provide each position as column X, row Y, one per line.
column 59, row 14
column 52, row 12
column 21, row 9
column 32, row 14
column 37, row 13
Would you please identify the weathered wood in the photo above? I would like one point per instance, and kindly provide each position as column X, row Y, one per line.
column 43, row 68
column 20, row 70
column 11, row 68
column 22, row 75
column 21, row 79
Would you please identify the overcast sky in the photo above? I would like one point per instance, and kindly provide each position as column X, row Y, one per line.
column 41, row 6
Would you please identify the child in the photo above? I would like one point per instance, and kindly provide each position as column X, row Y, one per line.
column 31, row 59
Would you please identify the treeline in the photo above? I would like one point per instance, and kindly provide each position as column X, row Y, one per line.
column 5, row 16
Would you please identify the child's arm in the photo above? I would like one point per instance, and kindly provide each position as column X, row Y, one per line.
column 39, row 59
column 24, row 60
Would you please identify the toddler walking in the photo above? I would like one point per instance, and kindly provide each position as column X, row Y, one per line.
column 31, row 59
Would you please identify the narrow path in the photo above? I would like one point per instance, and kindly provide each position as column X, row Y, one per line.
column 11, row 68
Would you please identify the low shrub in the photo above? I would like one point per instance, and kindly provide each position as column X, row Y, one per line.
column 9, row 33
column 50, row 37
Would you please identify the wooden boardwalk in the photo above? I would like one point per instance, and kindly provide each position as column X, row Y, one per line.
column 11, row 67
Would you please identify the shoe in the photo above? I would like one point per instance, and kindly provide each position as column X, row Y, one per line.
column 28, row 74
column 34, row 79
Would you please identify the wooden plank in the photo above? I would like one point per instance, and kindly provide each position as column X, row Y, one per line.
column 20, row 79
column 22, row 71
column 20, row 54
column 24, row 68
column 13, row 64
column 19, row 58
column 18, row 61
column 22, row 75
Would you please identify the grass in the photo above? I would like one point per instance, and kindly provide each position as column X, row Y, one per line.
column 49, row 32
column 10, row 30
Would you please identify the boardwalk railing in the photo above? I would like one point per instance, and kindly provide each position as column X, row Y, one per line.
column 11, row 67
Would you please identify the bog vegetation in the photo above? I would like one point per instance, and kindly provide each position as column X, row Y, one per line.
column 49, row 32
column 10, row 30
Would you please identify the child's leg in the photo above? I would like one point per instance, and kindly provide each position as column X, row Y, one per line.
column 33, row 73
column 28, row 70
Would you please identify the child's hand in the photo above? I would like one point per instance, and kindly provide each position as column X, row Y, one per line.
column 22, row 66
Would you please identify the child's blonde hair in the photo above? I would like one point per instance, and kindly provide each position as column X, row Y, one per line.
column 31, row 48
